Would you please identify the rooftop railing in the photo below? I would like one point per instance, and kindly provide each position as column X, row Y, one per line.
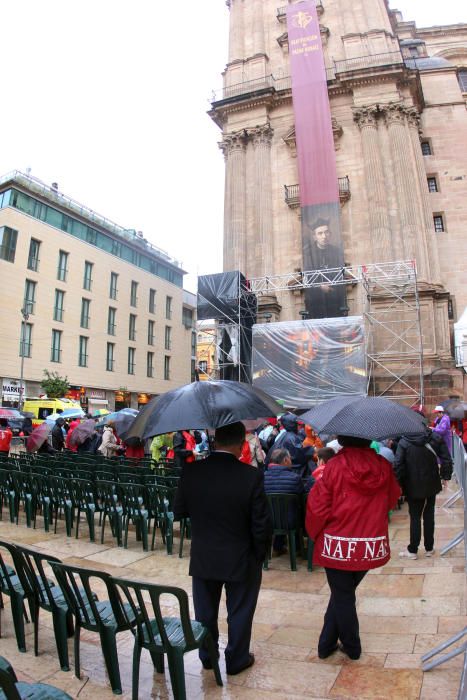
column 33, row 184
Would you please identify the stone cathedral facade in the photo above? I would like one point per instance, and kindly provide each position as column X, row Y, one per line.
column 398, row 97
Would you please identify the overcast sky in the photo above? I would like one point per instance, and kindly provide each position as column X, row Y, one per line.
column 109, row 99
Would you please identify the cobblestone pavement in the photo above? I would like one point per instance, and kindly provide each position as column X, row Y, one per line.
column 405, row 609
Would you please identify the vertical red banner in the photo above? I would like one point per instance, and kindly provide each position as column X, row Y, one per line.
column 319, row 191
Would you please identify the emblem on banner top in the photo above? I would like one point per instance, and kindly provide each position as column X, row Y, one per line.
column 302, row 19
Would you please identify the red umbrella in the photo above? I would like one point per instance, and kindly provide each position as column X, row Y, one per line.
column 82, row 432
column 38, row 436
column 9, row 413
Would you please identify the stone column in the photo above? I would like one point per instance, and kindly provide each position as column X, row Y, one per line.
column 234, row 146
column 235, row 30
column 405, row 176
column 261, row 137
column 380, row 228
column 258, row 28
column 429, row 239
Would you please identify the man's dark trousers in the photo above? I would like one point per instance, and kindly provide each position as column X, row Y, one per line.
column 241, row 599
column 418, row 508
column 340, row 620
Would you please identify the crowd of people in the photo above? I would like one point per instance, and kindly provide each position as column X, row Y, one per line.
column 350, row 486
column 353, row 484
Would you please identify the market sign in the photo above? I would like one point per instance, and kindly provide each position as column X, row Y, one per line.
column 11, row 389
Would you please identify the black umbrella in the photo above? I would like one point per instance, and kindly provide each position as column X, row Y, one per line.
column 202, row 405
column 372, row 418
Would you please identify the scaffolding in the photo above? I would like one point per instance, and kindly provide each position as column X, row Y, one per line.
column 391, row 308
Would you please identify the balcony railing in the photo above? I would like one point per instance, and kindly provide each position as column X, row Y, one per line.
column 292, row 192
column 377, row 60
column 282, row 11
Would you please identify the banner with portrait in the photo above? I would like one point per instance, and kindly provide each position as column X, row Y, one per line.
column 319, row 191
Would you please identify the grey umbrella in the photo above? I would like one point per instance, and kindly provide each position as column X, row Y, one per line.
column 372, row 418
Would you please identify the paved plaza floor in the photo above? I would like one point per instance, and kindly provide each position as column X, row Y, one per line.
column 405, row 609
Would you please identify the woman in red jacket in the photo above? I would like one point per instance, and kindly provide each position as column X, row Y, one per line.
column 347, row 517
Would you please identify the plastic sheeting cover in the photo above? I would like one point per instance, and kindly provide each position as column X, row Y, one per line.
column 302, row 363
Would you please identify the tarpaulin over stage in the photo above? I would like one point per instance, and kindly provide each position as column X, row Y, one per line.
column 319, row 192
column 305, row 362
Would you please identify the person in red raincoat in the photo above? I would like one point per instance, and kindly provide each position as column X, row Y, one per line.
column 6, row 436
column 347, row 517
column 73, row 425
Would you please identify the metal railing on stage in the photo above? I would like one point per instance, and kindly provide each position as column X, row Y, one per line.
column 429, row 660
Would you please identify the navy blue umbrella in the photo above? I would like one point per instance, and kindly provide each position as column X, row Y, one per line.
column 372, row 418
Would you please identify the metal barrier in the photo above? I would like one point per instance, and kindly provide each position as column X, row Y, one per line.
column 429, row 662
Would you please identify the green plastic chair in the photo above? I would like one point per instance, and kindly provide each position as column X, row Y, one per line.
column 107, row 618
column 12, row 689
column 110, row 508
column 46, row 596
column 282, row 505
column 174, row 636
column 132, row 498
column 11, row 586
column 82, row 495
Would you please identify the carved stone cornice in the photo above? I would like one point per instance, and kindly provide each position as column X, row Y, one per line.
column 261, row 135
column 366, row 116
column 394, row 113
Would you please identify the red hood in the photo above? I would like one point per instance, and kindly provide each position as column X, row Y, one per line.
column 364, row 466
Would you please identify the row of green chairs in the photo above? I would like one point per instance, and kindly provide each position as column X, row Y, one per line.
column 147, row 506
column 129, row 605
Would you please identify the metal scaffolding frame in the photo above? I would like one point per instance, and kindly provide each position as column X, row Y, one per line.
column 391, row 308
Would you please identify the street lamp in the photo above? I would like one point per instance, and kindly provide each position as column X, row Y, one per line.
column 25, row 317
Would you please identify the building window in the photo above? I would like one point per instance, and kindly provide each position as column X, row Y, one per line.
column 109, row 364
column 33, row 257
column 83, row 351
column 193, row 370
column 87, row 279
column 131, row 360
column 151, row 332
column 438, row 220
column 29, row 296
column 168, row 338
column 413, row 50
column 132, row 327
column 168, row 308
column 203, row 366
column 59, row 304
column 432, row 184
column 85, row 308
column 166, row 367
column 426, row 148
column 193, row 344
column 25, row 343
column 8, row 238
column 187, row 317
column 462, row 77
column 56, row 350
column 62, row 270
column 133, row 294
column 150, row 364
column 111, row 327
column 152, row 301
column 113, row 285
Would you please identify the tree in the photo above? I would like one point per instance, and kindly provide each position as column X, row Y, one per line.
column 54, row 385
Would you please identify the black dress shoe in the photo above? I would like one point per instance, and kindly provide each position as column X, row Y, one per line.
column 325, row 654
column 207, row 664
column 250, row 662
column 352, row 655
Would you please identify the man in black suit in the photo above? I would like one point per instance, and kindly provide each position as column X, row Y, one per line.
column 231, row 531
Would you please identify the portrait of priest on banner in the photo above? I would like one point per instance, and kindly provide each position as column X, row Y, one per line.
column 321, row 233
